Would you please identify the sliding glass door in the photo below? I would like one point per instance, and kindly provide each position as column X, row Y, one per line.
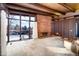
column 32, row 29
column 24, row 27
column 14, row 27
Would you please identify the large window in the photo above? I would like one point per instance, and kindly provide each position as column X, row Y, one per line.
column 20, row 27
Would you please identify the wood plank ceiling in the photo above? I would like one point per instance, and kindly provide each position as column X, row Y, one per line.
column 43, row 8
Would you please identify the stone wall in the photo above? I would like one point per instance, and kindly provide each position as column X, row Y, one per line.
column 3, row 32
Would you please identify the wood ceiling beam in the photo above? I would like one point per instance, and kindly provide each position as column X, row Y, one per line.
column 67, row 7
column 35, row 7
column 26, row 9
column 19, row 12
column 45, row 7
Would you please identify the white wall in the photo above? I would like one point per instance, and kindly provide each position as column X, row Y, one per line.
column 3, row 32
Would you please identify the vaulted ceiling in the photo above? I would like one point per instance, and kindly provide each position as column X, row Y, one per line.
column 74, row 6
column 44, row 8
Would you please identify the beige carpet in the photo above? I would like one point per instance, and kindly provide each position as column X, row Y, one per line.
column 52, row 46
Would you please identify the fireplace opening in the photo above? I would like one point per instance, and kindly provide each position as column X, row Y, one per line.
column 45, row 34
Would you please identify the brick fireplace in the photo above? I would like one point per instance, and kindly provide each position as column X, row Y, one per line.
column 44, row 25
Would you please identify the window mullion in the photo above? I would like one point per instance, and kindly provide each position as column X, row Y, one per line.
column 8, row 29
column 29, row 26
column 20, row 27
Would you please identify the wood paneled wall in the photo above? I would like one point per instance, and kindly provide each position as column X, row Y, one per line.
column 64, row 27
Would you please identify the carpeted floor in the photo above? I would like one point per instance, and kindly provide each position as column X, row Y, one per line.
column 52, row 46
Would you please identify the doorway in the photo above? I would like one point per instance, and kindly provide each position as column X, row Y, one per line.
column 77, row 29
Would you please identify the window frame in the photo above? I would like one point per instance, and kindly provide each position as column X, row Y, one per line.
column 8, row 35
